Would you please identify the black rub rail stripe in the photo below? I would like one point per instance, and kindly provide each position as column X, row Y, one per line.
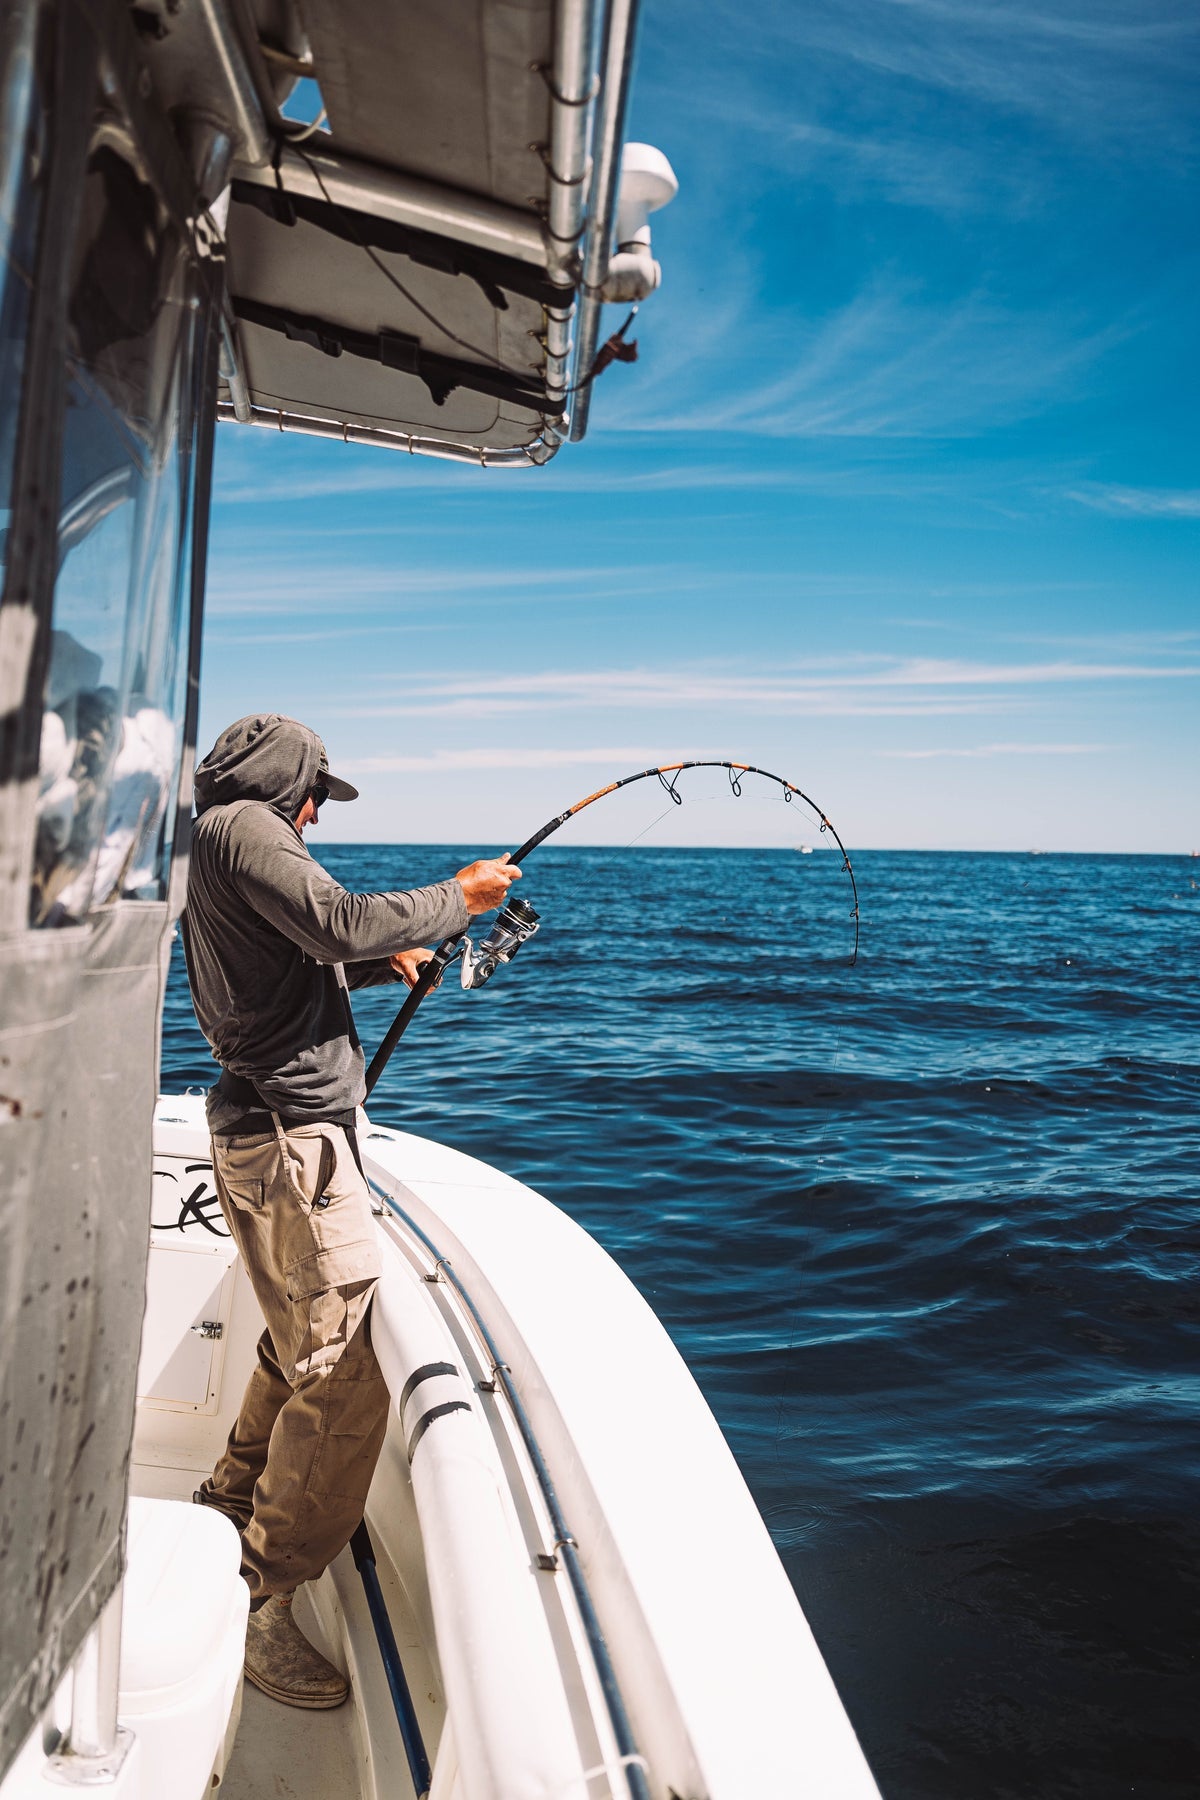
column 565, row 1544
column 426, row 1420
column 426, row 1372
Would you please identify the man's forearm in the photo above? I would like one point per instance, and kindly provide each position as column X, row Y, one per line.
column 279, row 879
column 357, row 928
column 377, row 971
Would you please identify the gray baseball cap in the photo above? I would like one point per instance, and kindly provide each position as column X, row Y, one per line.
column 338, row 789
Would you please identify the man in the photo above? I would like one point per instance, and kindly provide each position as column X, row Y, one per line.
column 273, row 944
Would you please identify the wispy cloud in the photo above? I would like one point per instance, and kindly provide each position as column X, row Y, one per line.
column 989, row 750
column 1125, row 644
column 903, row 687
column 827, row 111
column 951, row 106
column 903, row 166
column 286, row 585
column 1094, row 71
column 389, row 475
column 895, row 157
column 378, row 630
column 1135, row 502
column 890, row 363
column 502, row 757
column 587, row 475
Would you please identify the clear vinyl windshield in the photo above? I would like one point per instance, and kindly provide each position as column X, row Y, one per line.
column 111, row 726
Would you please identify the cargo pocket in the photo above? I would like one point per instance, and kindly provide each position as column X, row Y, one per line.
column 245, row 1168
column 340, row 1246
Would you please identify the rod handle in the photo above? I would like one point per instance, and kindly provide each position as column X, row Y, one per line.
column 445, row 953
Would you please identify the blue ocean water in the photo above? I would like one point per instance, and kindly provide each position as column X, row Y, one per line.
column 926, row 1231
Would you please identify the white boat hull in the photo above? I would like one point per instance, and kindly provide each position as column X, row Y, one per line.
column 584, row 1598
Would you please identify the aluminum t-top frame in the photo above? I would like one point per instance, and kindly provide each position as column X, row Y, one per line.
column 572, row 242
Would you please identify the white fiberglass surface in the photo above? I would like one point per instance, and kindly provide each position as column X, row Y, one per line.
column 723, row 1679
column 725, row 1685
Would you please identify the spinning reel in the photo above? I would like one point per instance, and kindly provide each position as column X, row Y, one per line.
column 514, row 926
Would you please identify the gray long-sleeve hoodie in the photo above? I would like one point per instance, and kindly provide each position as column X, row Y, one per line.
column 273, row 942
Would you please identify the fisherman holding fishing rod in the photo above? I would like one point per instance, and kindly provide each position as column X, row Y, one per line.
column 273, row 946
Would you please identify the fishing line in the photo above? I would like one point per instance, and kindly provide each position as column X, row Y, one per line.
column 581, row 880
column 645, row 832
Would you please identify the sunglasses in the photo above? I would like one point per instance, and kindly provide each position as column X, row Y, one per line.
column 320, row 794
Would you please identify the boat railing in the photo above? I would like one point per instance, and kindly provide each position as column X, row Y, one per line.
column 565, row 1549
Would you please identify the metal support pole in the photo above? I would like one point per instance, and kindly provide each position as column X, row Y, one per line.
column 96, row 1744
column 241, row 93
column 93, row 1730
column 606, row 176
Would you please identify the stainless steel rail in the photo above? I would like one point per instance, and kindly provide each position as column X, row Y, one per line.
column 521, row 457
column 573, row 87
column 245, row 112
column 632, row 1763
column 606, row 174
column 573, row 84
column 231, row 371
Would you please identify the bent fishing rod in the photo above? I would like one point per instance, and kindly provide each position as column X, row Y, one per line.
column 517, row 920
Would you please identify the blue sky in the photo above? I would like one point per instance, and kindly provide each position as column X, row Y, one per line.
column 901, row 500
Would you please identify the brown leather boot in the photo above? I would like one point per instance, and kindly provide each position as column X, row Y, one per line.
column 281, row 1661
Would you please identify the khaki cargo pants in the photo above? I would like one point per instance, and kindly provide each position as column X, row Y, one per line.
column 295, row 1472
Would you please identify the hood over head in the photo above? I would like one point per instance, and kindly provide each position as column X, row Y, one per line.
column 267, row 758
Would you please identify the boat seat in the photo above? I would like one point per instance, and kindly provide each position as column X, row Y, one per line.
column 183, row 1644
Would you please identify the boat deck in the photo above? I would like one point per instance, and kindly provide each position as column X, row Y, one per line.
column 282, row 1753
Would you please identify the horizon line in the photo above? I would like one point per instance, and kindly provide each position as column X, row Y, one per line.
column 779, row 849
